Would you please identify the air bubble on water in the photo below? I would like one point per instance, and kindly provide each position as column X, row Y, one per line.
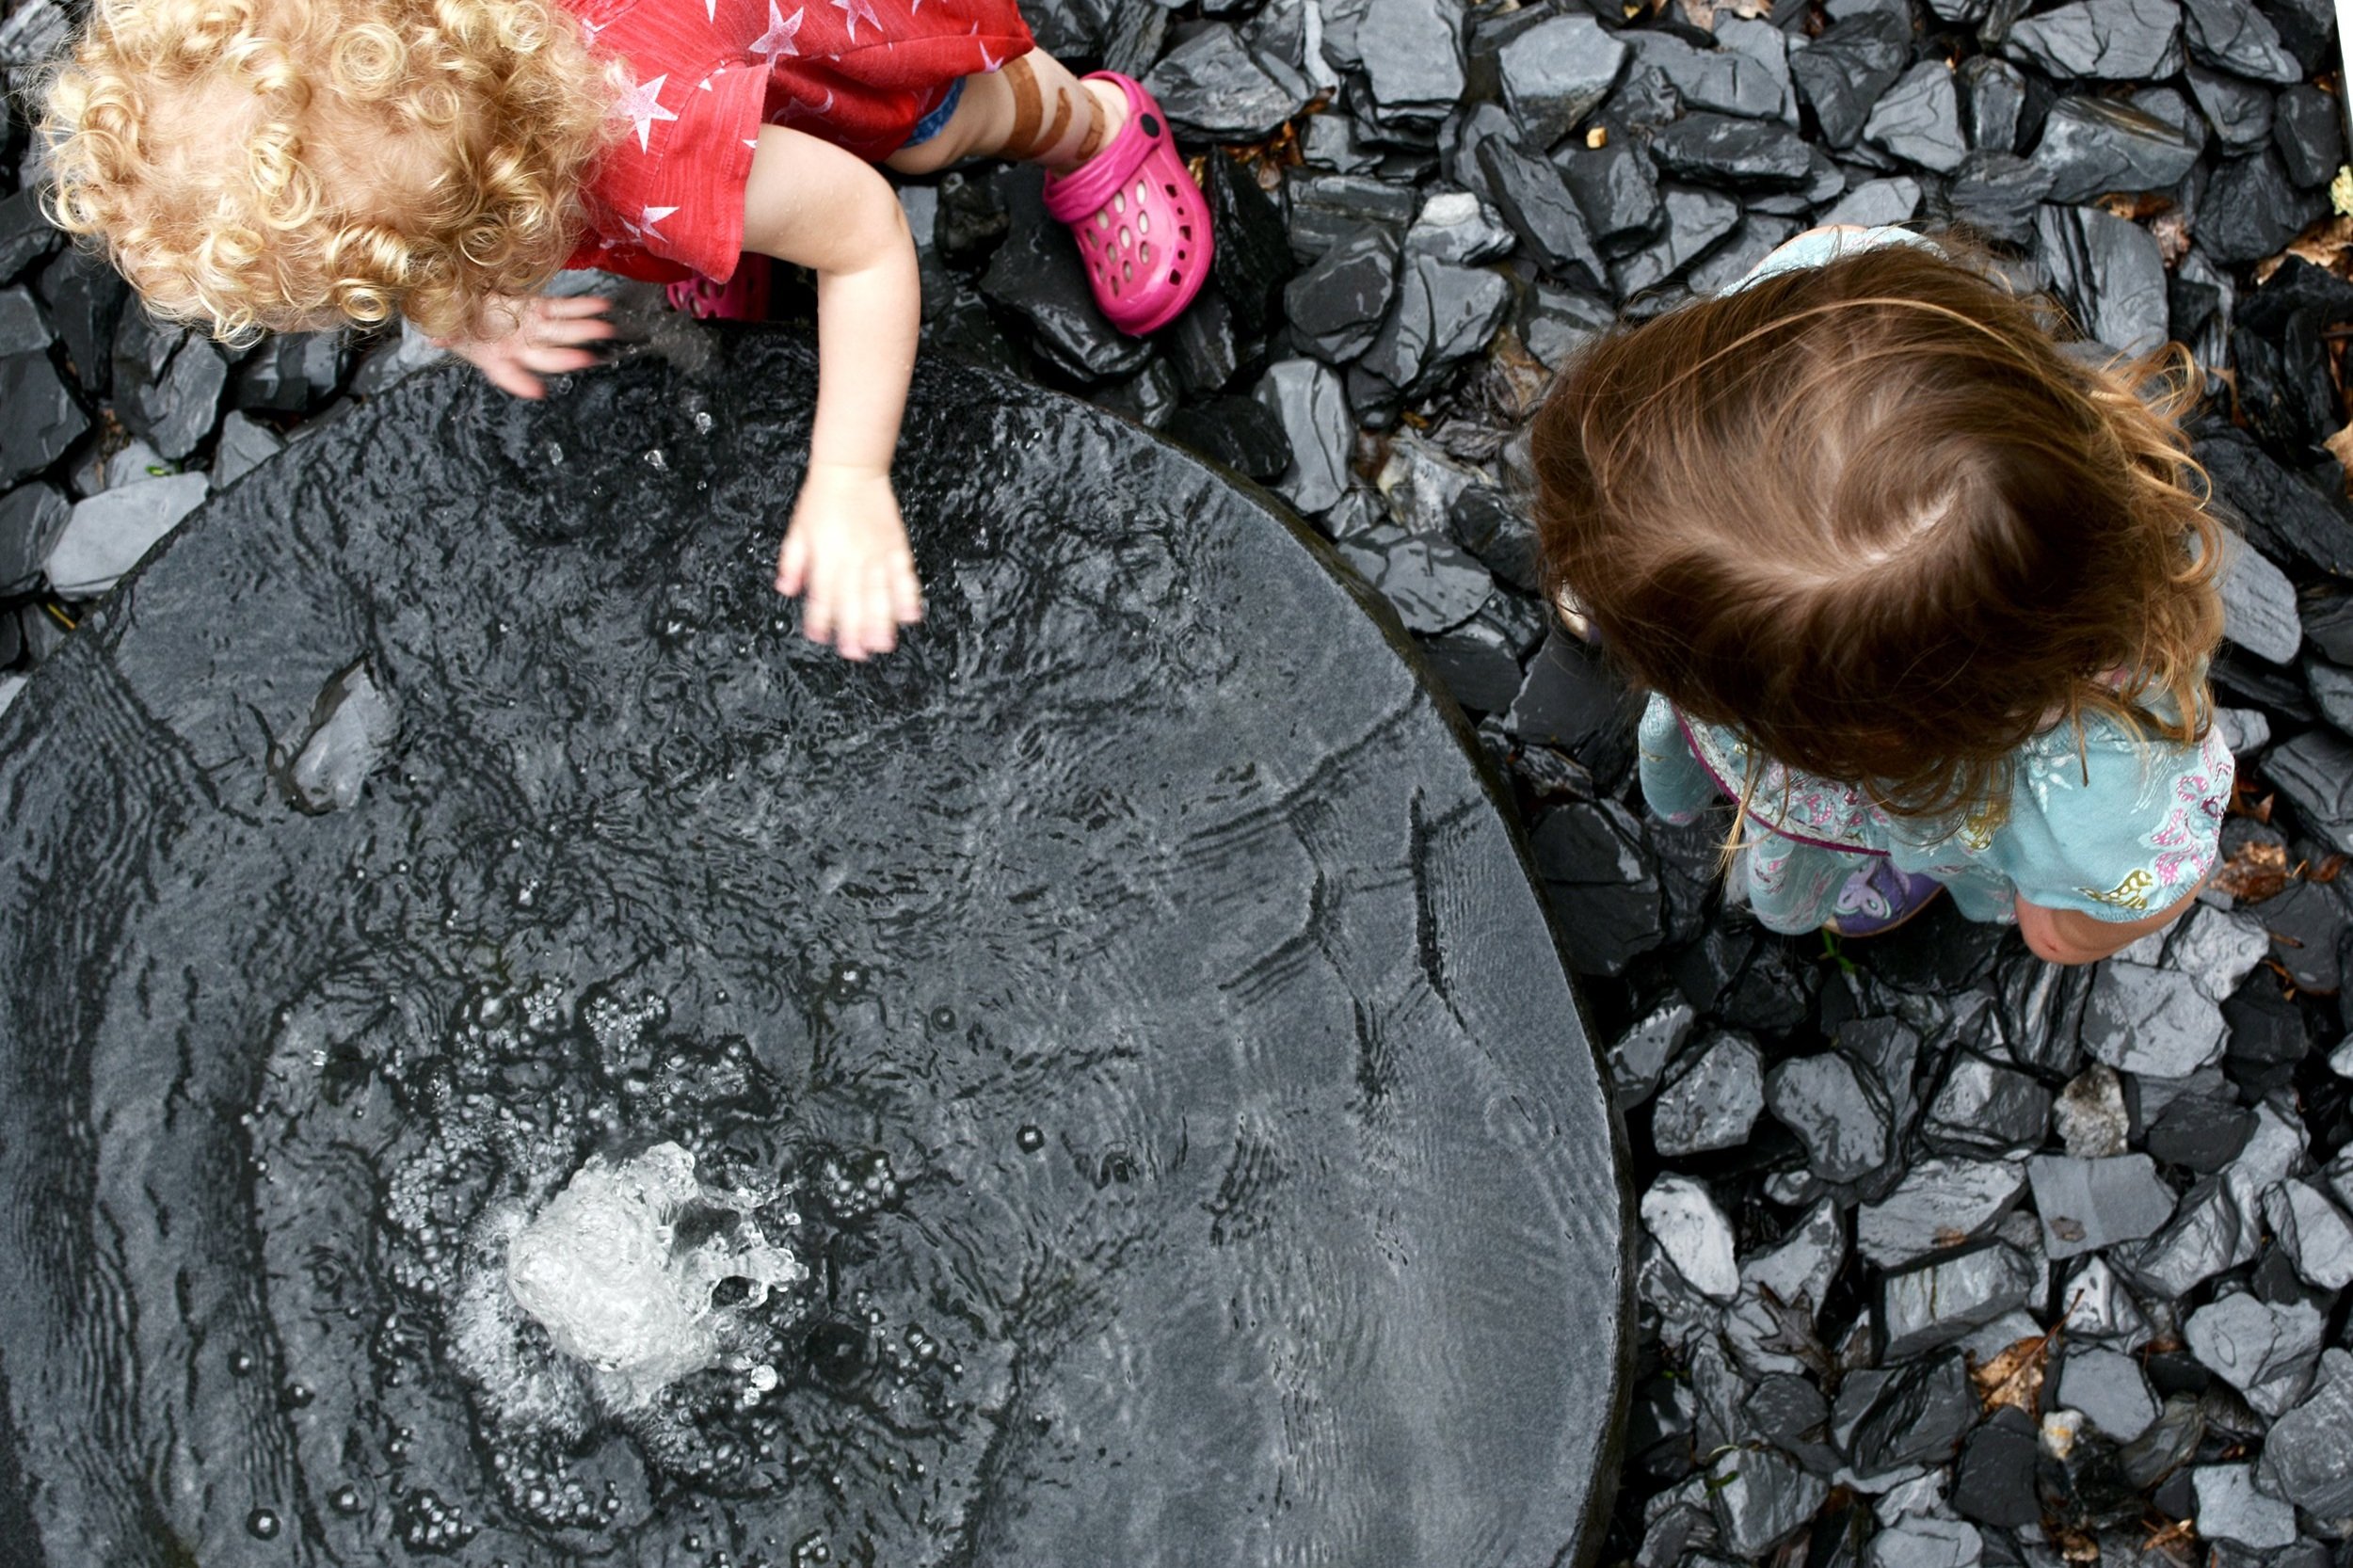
column 656, row 460
column 1031, row 1139
column 598, row 1268
column 261, row 1525
column 555, row 454
column 702, row 423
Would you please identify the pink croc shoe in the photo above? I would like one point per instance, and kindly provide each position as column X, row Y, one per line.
column 1142, row 225
column 742, row 297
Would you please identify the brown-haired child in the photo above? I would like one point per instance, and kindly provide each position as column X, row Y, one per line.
column 1929, row 598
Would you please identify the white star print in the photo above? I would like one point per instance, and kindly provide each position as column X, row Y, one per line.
column 777, row 40
column 988, row 62
column 647, row 218
column 853, row 11
column 641, row 105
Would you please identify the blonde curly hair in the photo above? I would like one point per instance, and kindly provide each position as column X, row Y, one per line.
column 288, row 165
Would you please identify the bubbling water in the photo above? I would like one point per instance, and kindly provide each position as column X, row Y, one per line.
column 609, row 1272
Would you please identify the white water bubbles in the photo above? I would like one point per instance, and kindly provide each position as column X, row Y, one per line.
column 607, row 1268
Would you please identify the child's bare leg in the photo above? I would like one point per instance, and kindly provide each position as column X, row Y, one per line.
column 1031, row 108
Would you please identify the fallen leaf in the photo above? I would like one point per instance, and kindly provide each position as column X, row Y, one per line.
column 2076, row 1546
column 2014, row 1378
column 2327, row 871
column 2341, row 447
column 2254, row 872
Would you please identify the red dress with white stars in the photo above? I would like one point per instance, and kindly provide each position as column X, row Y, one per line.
column 667, row 201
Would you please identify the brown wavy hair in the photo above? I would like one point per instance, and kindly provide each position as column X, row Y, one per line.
column 1871, row 516
column 282, row 164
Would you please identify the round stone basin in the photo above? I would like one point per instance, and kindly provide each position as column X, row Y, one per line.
column 1122, row 1020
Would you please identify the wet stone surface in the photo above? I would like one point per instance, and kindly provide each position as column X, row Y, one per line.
column 958, row 1165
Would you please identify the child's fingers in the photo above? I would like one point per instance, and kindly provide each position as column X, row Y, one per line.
column 572, row 334
column 555, row 362
column 512, row 378
column 882, row 605
column 907, row 593
column 792, row 563
column 818, row 609
column 572, row 306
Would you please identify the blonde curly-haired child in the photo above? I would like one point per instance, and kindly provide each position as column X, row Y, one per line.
column 282, row 164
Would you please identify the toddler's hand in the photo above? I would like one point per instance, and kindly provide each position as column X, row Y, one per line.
column 531, row 339
column 847, row 552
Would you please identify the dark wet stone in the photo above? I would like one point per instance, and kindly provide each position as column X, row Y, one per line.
column 1201, row 345
column 1124, row 35
column 2251, row 209
column 2285, row 517
column 1430, row 582
column 1714, row 1101
column 1758, row 235
column 1335, row 307
column 23, row 324
column 1999, row 195
column 245, row 443
column 1036, row 275
column 107, row 533
column 1938, row 1204
column 974, row 219
column 2329, row 626
column 2109, row 273
column 1328, row 209
column 2308, row 1455
column 1412, row 52
column 2309, row 130
column 1536, row 202
column 1838, row 1111
column 1639, row 1058
column 31, row 519
column 1215, row 90
column 1915, row 1416
column 2308, row 924
column 25, row 234
column 1761, row 1497
column 1935, row 1303
column 1443, row 315
column 1477, row 662
column 1993, row 1484
column 1876, row 203
column 1730, row 81
column 2109, row 41
column 2231, row 1512
column 1150, row 397
column 1555, row 73
column 1498, row 531
column 1696, row 222
column 293, row 373
column 1241, row 433
column 2313, row 1231
column 602, row 699
column 2087, row 1205
column 86, row 299
column 2091, row 146
column 1842, row 72
column 2259, row 605
column 1688, row 1226
column 352, row 727
column 40, row 418
column 1993, row 97
column 2154, row 1022
column 2264, row 1350
column 1306, row 399
column 1573, row 702
column 1984, row 1107
column 1616, row 187
column 1604, row 887
column 1918, row 120
column 1458, row 227
column 2315, row 772
column 2200, row 1133
column 2110, row 1389
column 1726, row 149
column 1827, row 183
column 2285, row 392
column 2238, row 112
column 2234, row 36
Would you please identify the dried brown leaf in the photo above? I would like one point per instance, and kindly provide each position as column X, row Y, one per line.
column 2254, row 872
column 2014, row 1378
column 2327, row 871
column 2341, row 447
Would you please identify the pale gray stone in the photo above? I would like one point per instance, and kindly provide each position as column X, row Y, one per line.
column 108, row 532
column 1684, row 1220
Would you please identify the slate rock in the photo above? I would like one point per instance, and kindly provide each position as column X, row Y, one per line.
column 1993, row 97
column 2230, row 1509
column 2284, row 517
column 2217, row 949
column 1742, row 82
column 1785, row 1286
column 2096, row 1307
column 1444, row 314
column 2260, row 606
column 1238, row 433
column 1837, row 1109
column 1876, row 203
column 2087, row 1205
column 1918, row 120
column 291, row 373
column 2090, row 146
column 25, row 234
column 2237, row 112
column 1761, row 1497
column 2110, row 1389
column 1616, row 187
column 2252, row 209
column 1713, row 1102
column 106, row 535
column 1252, row 258
column 1934, row 1302
column 167, row 383
column 1038, row 277
column 1998, row 195
column 31, row 519
column 1909, row 1415
column 1993, row 1484
column 1497, row 530
column 86, row 297
column 1214, row 88
column 1201, row 345
column 2108, row 274
column 352, row 724
column 1757, row 236
column 2308, row 1455
column 2234, row 36
column 2092, row 1119
column 2309, row 130
column 2315, row 1232
column 1335, row 307
column 1937, row 1204
column 2200, row 1133
column 1984, row 1107
column 1574, row 703
column 1307, row 401
column 1432, row 584
column 2245, row 731
column 1920, row 1541
column 2151, row 1021
column 1327, row 209
column 1684, row 1219
column 1842, row 72
column 1638, row 1058
column 1603, row 885
column 2315, row 771
column 1696, row 222
column 1725, row 150
column 1536, row 202
column 40, row 418
column 2109, row 41
column 245, row 444
column 1412, row 54
column 23, row 324
column 1556, row 73
column 2266, row 1351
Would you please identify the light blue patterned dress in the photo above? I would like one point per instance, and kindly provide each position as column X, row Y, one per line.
column 2115, row 826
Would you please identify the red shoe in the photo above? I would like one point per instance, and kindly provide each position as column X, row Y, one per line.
column 1142, row 225
column 742, row 297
